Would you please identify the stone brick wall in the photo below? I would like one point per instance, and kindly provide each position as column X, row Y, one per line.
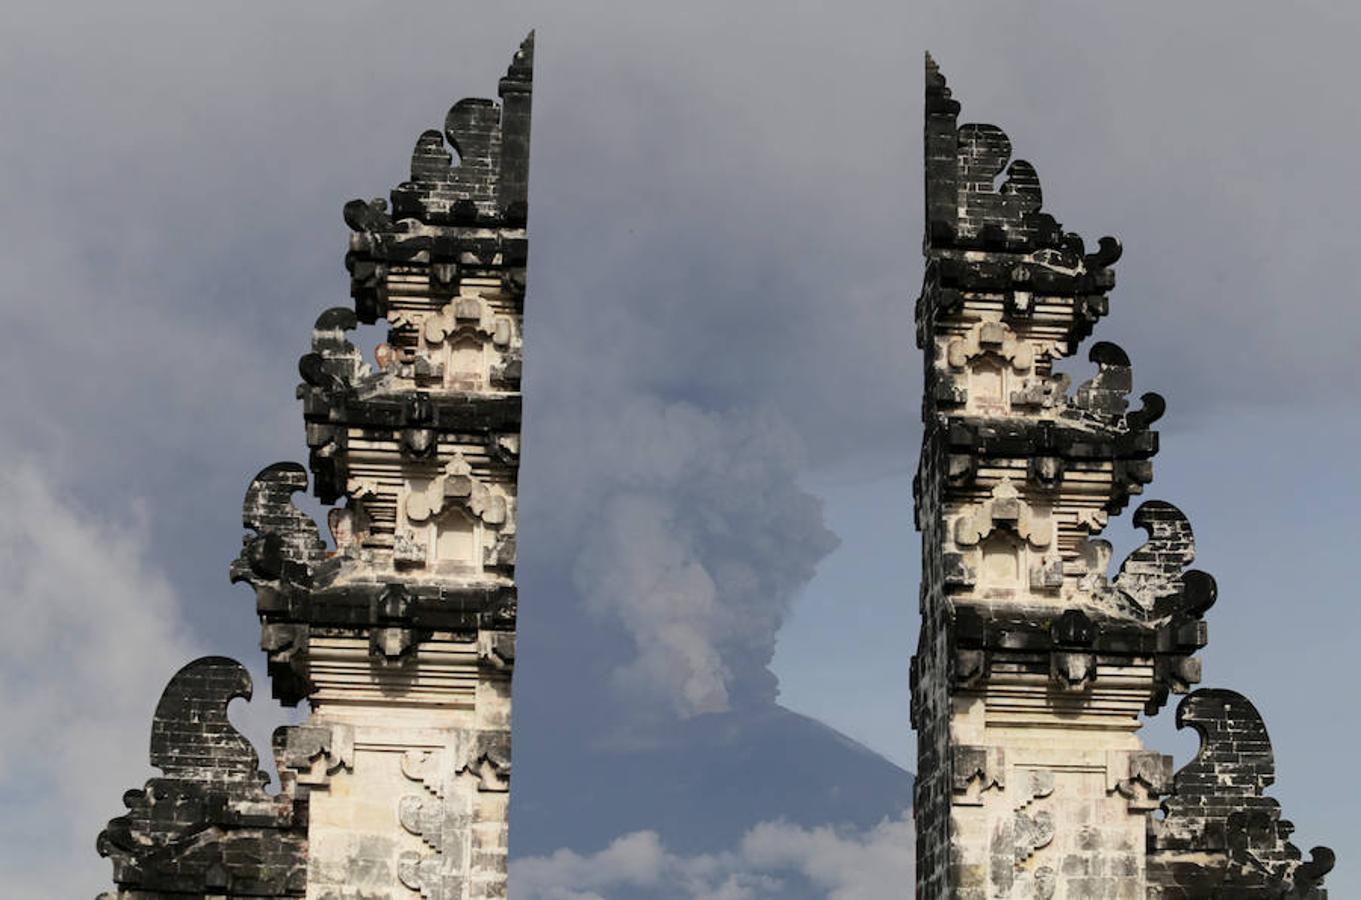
column 930, row 681
column 401, row 635
column 1035, row 663
column 207, row 826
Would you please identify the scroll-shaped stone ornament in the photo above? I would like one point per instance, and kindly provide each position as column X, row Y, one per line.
column 1152, row 583
column 442, row 190
column 1036, row 784
column 368, row 216
column 1105, row 397
column 1106, row 393
column 1154, row 570
column 1154, row 576
column 1151, row 410
column 334, row 365
column 1033, row 832
column 286, row 544
column 473, row 761
column 991, row 337
column 1005, row 213
column 424, row 818
column 1221, row 836
column 206, row 826
column 279, row 560
column 1014, row 841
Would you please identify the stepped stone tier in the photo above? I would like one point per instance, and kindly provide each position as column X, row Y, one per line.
column 400, row 637
column 1035, row 663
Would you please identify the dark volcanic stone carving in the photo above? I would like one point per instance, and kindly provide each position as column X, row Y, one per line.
column 207, row 826
column 1153, row 572
column 278, row 561
column 1221, row 835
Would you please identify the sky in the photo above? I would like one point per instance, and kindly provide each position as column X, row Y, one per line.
column 721, row 387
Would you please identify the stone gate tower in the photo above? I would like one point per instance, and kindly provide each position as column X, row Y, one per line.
column 400, row 636
column 1034, row 662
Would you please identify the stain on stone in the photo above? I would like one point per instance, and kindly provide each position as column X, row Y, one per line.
column 207, row 825
column 1033, row 657
column 401, row 636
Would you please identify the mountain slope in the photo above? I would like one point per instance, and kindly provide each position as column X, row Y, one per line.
column 700, row 784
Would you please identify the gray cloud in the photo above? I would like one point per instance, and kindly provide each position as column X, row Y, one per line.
column 739, row 229
column 697, row 540
column 96, row 631
column 725, row 220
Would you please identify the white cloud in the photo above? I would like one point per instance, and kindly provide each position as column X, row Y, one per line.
column 876, row 864
column 94, row 633
column 774, row 860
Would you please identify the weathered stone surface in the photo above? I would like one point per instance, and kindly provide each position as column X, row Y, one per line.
column 1034, row 662
column 1218, row 811
column 401, row 636
column 207, row 826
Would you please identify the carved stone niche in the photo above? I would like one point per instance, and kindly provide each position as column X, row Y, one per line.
column 988, row 364
column 451, row 519
column 1007, row 547
column 463, row 343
